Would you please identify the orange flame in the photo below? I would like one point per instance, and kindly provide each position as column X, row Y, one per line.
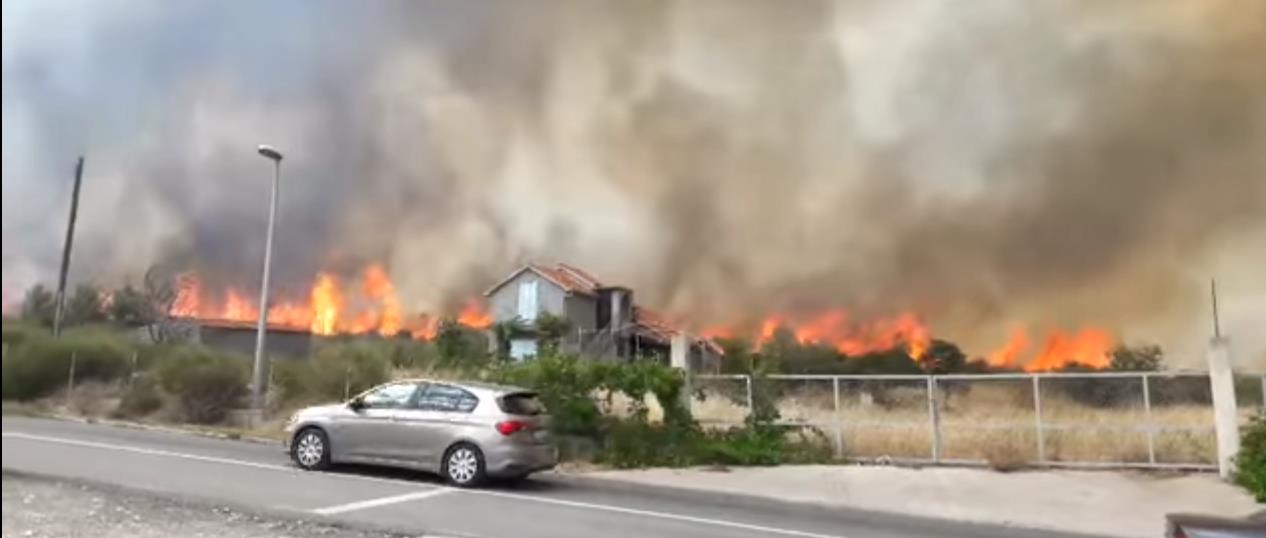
column 1006, row 356
column 377, row 285
column 332, row 307
column 424, row 327
column 834, row 328
column 188, row 296
column 326, row 302
column 1088, row 346
column 474, row 315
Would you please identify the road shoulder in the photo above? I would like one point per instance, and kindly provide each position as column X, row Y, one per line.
column 1107, row 503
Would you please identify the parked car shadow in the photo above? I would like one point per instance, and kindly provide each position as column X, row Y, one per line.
column 528, row 485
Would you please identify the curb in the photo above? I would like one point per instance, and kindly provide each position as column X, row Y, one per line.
column 154, row 427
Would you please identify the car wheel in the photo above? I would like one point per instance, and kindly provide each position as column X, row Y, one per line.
column 464, row 466
column 311, row 449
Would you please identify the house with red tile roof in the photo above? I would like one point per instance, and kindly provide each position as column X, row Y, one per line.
column 603, row 321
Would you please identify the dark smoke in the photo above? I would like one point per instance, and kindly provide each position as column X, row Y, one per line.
column 984, row 163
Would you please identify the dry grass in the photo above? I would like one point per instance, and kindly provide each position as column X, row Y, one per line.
column 995, row 424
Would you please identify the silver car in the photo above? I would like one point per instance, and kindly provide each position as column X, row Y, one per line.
column 466, row 432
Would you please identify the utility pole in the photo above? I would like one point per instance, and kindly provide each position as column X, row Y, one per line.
column 1222, row 391
column 1217, row 326
column 259, row 371
column 70, row 240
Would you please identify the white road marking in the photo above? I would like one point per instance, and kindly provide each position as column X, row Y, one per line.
column 194, row 457
column 381, row 501
column 148, row 451
column 421, row 494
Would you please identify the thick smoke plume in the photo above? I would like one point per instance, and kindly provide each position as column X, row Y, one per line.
column 983, row 163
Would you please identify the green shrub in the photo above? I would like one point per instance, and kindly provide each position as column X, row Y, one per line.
column 633, row 443
column 565, row 386
column 15, row 332
column 206, row 384
column 141, row 398
column 335, row 371
column 413, row 354
column 40, row 365
column 1251, row 461
column 740, row 446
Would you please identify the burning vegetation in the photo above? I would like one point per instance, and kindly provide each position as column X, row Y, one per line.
column 369, row 304
column 334, row 305
column 852, row 337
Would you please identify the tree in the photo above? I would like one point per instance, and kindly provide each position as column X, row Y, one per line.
column 1137, row 359
column 39, row 305
column 128, row 306
column 942, row 358
column 550, row 330
column 160, row 294
column 455, row 341
column 85, row 306
column 505, row 331
column 893, row 361
column 736, row 355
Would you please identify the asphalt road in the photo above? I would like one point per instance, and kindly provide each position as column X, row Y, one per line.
column 259, row 477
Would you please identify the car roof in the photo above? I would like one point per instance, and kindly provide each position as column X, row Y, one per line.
column 477, row 386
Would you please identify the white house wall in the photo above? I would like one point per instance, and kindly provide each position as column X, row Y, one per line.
column 549, row 297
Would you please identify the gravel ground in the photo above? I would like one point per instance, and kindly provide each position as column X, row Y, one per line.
column 38, row 507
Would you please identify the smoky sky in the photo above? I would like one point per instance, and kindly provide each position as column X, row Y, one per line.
column 985, row 164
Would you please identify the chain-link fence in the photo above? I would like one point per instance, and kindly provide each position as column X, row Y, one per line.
column 1118, row 419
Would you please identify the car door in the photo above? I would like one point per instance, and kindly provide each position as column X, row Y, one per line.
column 369, row 432
column 430, row 426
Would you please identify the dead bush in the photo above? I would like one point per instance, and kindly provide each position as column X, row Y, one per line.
column 93, row 399
column 142, row 398
column 204, row 383
column 1004, row 455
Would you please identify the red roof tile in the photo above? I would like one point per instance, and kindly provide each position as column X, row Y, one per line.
column 570, row 278
column 661, row 329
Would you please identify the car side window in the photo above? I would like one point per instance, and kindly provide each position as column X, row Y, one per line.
column 390, row 396
column 447, row 398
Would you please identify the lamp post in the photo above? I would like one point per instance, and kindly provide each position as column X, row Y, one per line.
column 259, row 378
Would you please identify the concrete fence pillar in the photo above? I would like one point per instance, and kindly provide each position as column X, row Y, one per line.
column 1225, row 417
column 679, row 357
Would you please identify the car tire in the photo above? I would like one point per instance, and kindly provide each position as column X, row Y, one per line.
column 464, row 466
column 310, row 449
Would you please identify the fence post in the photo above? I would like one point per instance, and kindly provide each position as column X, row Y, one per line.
column 1037, row 418
column 934, row 419
column 839, row 421
column 347, row 383
column 70, row 379
column 131, row 376
column 750, row 408
column 1264, row 393
column 1147, row 420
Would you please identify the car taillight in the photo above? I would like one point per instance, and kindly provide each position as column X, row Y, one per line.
column 1175, row 531
column 508, row 427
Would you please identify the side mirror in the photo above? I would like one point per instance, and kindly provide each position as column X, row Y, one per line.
column 356, row 404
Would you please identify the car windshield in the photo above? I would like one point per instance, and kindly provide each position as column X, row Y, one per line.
column 522, row 403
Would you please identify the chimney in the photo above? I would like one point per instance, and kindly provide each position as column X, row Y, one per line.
column 616, row 321
column 616, row 306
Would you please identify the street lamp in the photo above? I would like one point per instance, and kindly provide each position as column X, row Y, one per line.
column 259, row 378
